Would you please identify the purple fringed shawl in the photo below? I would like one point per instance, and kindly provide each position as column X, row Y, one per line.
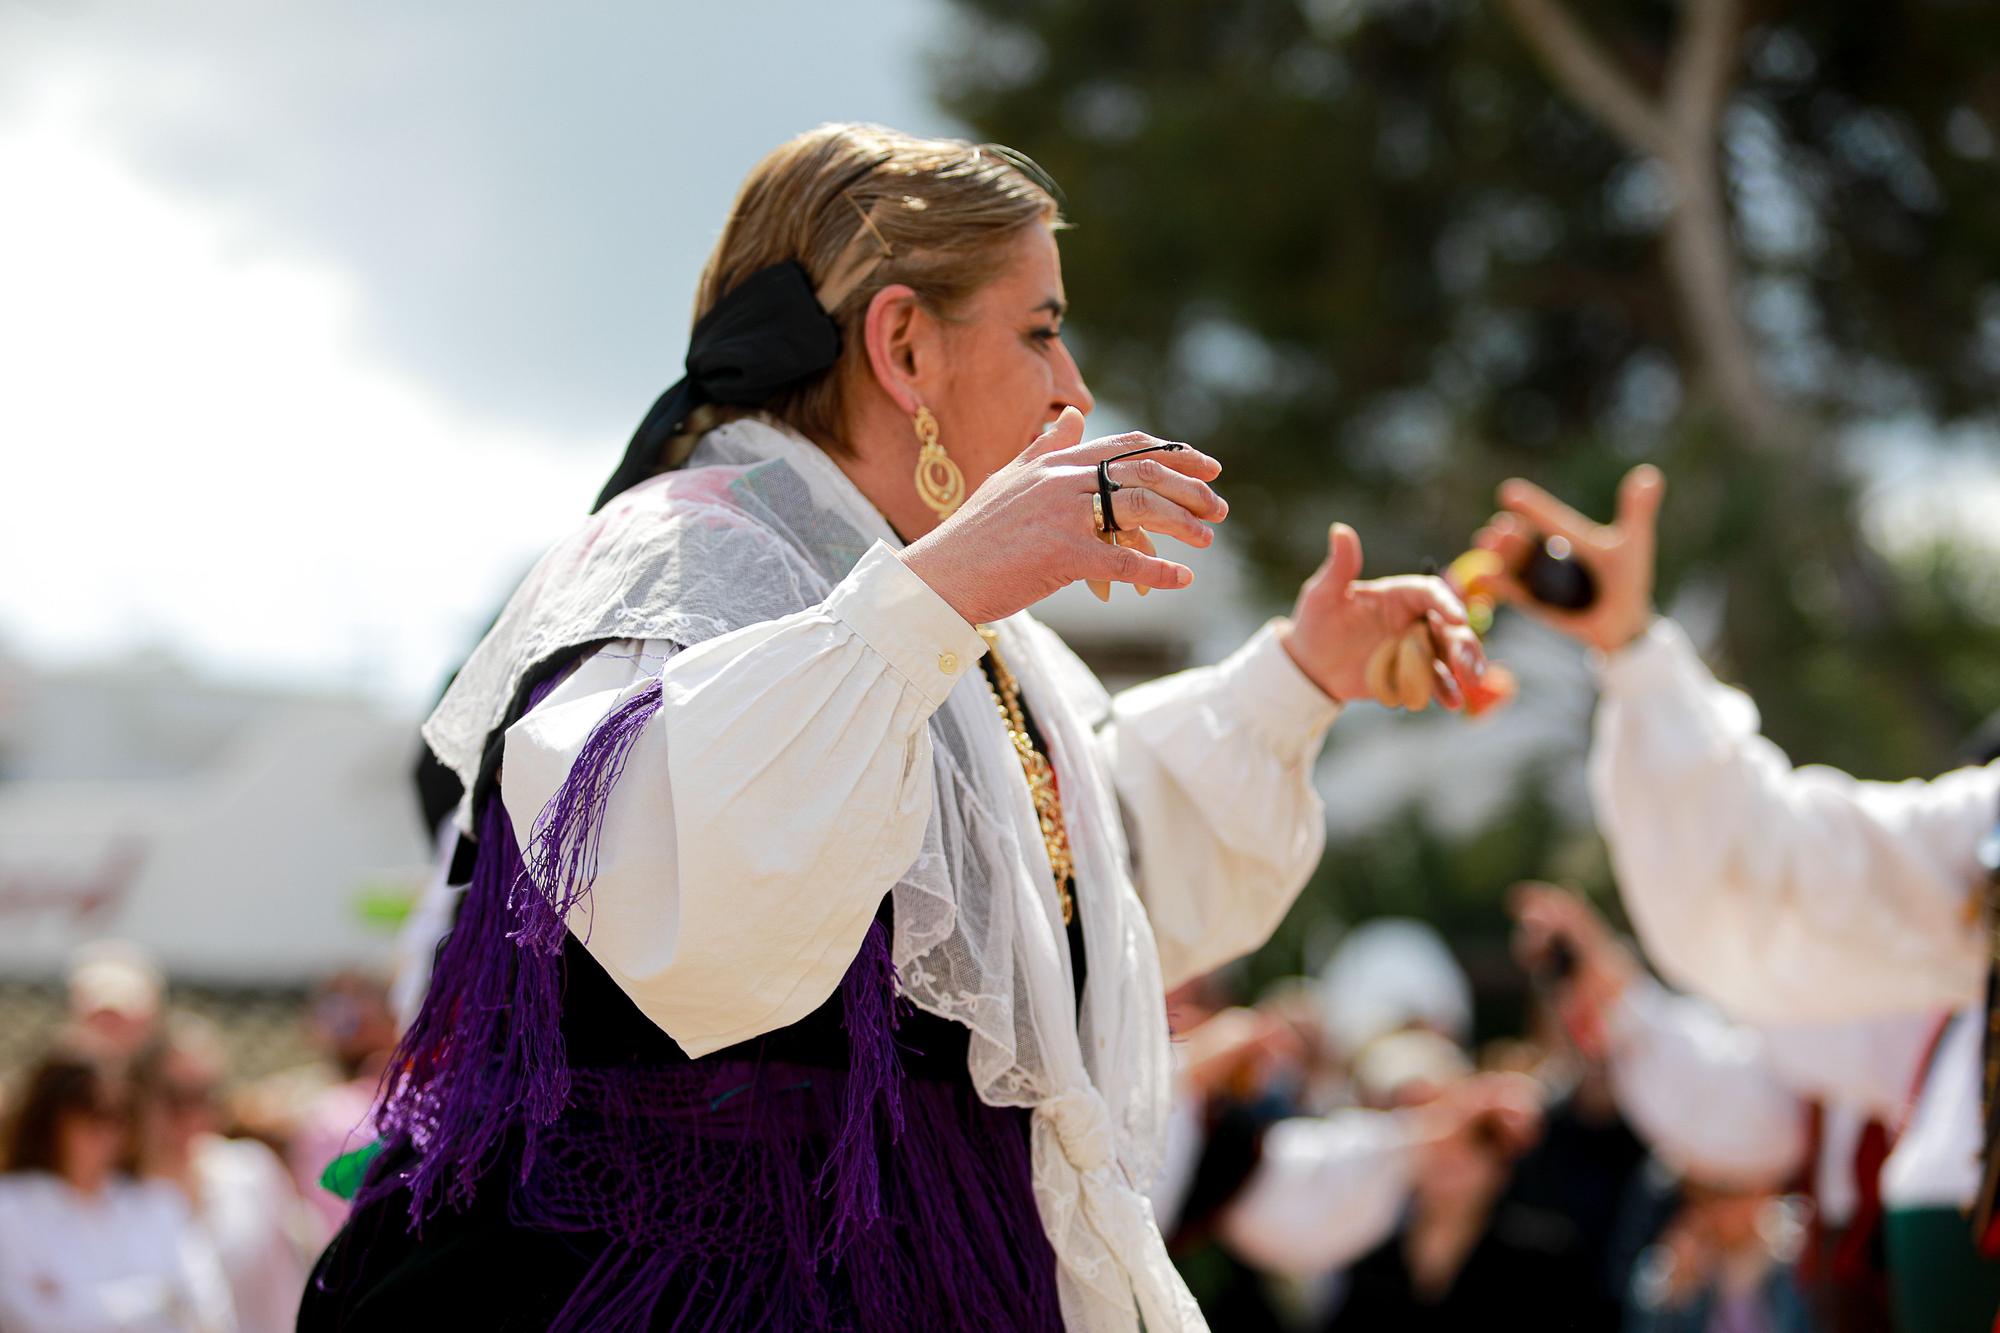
column 727, row 1193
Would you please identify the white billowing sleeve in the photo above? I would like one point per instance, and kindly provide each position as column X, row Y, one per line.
column 1327, row 1190
column 777, row 795
column 1786, row 895
column 1214, row 772
column 1871, row 1066
column 1704, row 1092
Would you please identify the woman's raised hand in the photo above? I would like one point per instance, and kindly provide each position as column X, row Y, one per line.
column 1341, row 620
column 1029, row 530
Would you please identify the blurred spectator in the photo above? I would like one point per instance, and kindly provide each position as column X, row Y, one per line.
column 1238, row 1070
column 1409, row 1068
column 115, row 996
column 238, row 1192
column 1484, row 1230
column 1392, row 974
column 83, row 1247
column 1194, row 1002
column 1488, row 1226
column 1722, row 1266
column 1256, row 1191
column 1327, row 1189
column 1742, row 1107
column 1319, row 1073
column 353, row 1026
column 1699, row 1088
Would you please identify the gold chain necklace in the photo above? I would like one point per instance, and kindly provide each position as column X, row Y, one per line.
column 1041, row 777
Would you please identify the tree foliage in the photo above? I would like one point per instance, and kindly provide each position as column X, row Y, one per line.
column 1381, row 254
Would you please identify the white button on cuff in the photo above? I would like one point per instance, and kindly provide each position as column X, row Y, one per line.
column 948, row 663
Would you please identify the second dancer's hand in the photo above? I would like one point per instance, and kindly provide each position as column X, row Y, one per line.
column 1618, row 555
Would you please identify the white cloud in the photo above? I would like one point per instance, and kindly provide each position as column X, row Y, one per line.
column 317, row 324
column 201, row 450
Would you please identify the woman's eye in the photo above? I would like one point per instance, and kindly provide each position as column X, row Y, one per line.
column 1045, row 335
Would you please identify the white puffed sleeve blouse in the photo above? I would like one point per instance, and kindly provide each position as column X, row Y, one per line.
column 1786, row 895
column 784, row 785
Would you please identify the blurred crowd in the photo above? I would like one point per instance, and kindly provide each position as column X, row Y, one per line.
column 144, row 1188
column 1343, row 1157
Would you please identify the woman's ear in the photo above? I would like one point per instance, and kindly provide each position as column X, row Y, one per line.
column 895, row 327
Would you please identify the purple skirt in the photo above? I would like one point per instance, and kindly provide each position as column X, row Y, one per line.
column 698, row 1199
column 552, row 1160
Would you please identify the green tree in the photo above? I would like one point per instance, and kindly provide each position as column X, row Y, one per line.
column 1380, row 254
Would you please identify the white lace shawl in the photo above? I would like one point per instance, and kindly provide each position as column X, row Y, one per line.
column 761, row 524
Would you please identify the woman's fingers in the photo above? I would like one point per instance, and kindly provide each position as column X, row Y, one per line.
column 1065, row 432
column 1506, row 536
column 1189, row 492
column 1101, row 588
column 1114, row 563
column 1446, row 688
column 1135, row 508
column 1133, row 538
column 1427, row 660
column 1639, row 496
column 1138, row 541
column 1184, row 458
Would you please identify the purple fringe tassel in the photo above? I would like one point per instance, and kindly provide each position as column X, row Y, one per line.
column 868, row 1014
column 704, row 1179
column 485, row 1054
column 730, row 1194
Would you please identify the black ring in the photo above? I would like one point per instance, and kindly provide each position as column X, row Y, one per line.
column 1105, row 485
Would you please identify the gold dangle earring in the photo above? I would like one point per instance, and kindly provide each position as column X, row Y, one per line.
column 939, row 482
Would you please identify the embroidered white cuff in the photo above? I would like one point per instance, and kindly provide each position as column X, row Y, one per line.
column 913, row 629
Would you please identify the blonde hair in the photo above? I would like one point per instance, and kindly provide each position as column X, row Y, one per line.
column 861, row 208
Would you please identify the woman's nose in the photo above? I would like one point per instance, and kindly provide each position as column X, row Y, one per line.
column 1070, row 390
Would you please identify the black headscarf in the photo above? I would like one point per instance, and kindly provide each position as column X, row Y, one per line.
column 768, row 334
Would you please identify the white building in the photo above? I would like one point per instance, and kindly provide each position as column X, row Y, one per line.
column 247, row 837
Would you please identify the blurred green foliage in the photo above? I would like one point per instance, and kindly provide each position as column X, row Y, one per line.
column 1370, row 253
column 1405, row 868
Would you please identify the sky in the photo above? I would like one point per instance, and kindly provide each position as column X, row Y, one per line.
column 317, row 323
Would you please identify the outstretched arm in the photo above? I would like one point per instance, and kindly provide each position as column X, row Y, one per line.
column 1785, row 894
column 1214, row 765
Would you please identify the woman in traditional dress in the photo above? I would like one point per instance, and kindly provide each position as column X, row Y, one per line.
column 821, row 904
